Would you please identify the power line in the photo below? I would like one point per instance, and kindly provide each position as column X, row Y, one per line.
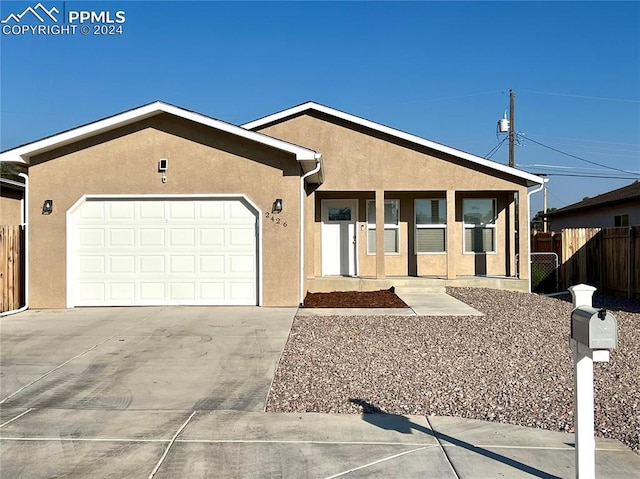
column 563, row 167
column 637, row 145
column 495, row 149
column 559, row 199
column 582, row 96
column 577, row 157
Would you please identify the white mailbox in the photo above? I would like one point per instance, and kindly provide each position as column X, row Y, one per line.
column 595, row 328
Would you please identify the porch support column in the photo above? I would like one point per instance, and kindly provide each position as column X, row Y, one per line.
column 454, row 245
column 523, row 235
column 380, row 267
column 511, row 228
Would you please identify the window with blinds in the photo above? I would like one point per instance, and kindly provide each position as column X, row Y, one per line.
column 480, row 216
column 431, row 225
column 391, row 227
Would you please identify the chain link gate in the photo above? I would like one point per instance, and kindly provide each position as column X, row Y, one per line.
column 544, row 272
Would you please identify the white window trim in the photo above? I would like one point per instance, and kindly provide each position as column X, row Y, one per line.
column 442, row 226
column 386, row 226
column 493, row 225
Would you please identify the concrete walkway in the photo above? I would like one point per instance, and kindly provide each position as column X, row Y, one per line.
column 180, row 392
column 42, row 443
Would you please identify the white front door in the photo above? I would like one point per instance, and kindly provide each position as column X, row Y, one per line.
column 339, row 237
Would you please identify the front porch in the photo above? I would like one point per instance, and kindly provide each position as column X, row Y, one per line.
column 438, row 235
column 414, row 285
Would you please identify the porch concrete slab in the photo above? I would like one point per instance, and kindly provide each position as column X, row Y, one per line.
column 438, row 304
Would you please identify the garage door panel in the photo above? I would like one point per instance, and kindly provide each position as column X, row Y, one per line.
column 182, row 210
column 151, row 210
column 182, row 237
column 151, row 291
column 121, row 210
column 92, row 292
column 241, row 265
column 91, row 237
column 130, row 252
column 151, row 264
column 122, row 292
column 91, row 265
column 122, row 237
column 241, row 237
column 93, row 211
column 212, row 291
column 211, row 210
column 151, row 237
column 182, row 292
column 182, row 264
column 212, row 237
column 211, row 264
column 122, row 264
column 241, row 293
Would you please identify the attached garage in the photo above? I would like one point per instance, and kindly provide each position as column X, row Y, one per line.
column 168, row 250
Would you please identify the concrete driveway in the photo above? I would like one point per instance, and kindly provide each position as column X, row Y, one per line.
column 187, row 358
column 134, row 373
column 162, row 393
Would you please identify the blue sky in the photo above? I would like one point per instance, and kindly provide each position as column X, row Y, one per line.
column 441, row 70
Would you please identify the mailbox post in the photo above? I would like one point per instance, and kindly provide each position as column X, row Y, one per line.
column 594, row 333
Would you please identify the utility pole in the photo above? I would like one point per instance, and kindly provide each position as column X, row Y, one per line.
column 512, row 129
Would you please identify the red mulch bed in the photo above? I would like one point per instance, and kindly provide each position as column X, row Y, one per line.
column 354, row 299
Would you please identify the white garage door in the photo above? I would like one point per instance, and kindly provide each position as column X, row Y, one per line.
column 162, row 252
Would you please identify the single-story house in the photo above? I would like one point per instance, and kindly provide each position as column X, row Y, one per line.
column 160, row 205
column 620, row 207
column 11, row 202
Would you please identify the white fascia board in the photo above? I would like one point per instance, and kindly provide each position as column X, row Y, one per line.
column 393, row 132
column 23, row 153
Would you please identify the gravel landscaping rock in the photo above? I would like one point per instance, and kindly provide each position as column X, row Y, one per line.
column 512, row 365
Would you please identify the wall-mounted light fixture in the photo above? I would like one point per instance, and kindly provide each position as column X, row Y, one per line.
column 163, row 164
column 47, row 207
column 277, row 206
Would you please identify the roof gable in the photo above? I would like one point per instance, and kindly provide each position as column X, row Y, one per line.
column 312, row 106
column 23, row 153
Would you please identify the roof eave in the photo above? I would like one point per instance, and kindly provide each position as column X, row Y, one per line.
column 24, row 153
column 530, row 179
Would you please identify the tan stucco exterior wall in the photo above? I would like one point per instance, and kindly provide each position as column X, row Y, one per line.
column 201, row 161
column 357, row 163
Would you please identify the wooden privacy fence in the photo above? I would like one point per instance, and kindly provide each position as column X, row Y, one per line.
column 547, row 242
column 11, row 268
column 608, row 258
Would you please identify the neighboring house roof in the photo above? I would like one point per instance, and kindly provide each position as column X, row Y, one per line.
column 23, row 153
column 304, row 107
column 610, row 198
